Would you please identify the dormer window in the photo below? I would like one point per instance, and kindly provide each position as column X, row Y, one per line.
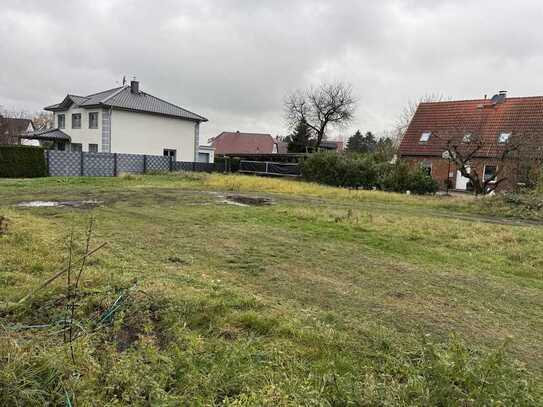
column 503, row 138
column 467, row 138
column 424, row 137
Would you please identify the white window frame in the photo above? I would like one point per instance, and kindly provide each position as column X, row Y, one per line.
column 170, row 152
column 467, row 138
column 503, row 138
column 73, row 121
column 63, row 121
column 496, row 172
column 425, row 136
column 90, row 121
column 429, row 165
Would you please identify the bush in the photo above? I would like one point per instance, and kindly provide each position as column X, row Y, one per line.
column 22, row 162
column 400, row 177
column 363, row 171
column 350, row 170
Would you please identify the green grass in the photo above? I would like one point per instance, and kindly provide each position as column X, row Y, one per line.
column 327, row 297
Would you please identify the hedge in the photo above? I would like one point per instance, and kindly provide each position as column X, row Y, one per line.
column 364, row 171
column 18, row 161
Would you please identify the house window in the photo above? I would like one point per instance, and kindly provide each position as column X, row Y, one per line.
column 424, row 137
column 490, row 173
column 170, row 153
column 61, row 121
column 93, row 120
column 504, row 138
column 61, row 146
column 76, row 121
column 427, row 167
column 76, row 147
column 467, row 138
column 93, row 148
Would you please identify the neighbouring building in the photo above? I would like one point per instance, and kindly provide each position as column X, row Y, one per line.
column 12, row 128
column 125, row 120
column 229, row 143
column 332, row 145
column 493, row 122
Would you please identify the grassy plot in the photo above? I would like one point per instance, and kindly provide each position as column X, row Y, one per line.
column 327, row 297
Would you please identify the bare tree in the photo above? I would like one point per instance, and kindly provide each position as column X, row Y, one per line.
column 330, row 104
column 408, row 112
column 42, row 120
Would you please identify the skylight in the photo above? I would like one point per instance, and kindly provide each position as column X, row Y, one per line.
column 504, row 138
column 424, row 137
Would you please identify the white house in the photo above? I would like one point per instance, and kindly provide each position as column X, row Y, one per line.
column 126, row 120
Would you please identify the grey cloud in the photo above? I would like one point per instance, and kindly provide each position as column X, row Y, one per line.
column 233, row 61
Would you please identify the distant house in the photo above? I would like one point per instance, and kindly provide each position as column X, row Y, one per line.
column 493, row 120
column 332, row 145
column 12, row 128
column 125, row 120
column 228, row 143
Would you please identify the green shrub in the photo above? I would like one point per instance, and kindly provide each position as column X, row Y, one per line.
column 350, row 170
column 22, row 162
column 400, row 177
column 363, row 171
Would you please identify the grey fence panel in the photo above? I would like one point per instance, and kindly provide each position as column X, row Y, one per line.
column 74, row 164
column 64, row 164
column 182, row 166
column 98, row 164
column 130, row 163
column 158, row 163
column 204, row 167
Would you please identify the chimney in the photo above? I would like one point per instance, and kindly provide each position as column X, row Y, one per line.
column 134, row 87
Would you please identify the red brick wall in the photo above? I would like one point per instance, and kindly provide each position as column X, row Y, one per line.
column 440, row 169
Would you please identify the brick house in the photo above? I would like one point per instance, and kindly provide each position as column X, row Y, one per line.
column 228, row 143
column 437, row 127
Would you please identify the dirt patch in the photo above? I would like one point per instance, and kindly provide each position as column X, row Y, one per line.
column 249, row 200
column 60, row 204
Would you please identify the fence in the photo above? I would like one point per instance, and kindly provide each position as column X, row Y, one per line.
column 270, row 168
column 75, row 164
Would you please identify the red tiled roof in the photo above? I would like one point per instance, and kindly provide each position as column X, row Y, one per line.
column 243, row 143
column 519, row 116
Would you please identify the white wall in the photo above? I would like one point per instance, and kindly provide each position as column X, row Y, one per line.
column 84, row 135
column 143, row 133
column 209, row 151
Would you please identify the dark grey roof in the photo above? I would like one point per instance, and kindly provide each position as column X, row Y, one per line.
column 49, row 134
column 123, row 98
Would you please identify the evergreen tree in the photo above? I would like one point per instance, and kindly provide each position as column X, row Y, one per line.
column 362, row 144
column 300, row 141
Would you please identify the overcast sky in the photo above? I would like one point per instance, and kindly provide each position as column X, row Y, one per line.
column 233, row 61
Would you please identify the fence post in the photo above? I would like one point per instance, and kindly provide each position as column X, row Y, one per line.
column 193, row 166
column 82, row 164
column 267, row 167
column 171, row 163
column 144, row 163
column 114, row 164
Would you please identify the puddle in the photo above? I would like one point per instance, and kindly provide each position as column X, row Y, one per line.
column 59, row 204
column 242, row 200
column 245, row 200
